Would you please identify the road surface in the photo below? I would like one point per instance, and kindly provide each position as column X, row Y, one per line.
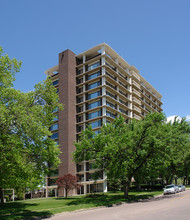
column 175, row 207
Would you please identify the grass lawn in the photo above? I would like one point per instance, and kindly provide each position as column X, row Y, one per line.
column 47, row 207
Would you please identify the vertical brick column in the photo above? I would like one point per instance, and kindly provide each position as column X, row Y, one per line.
column 67, row 117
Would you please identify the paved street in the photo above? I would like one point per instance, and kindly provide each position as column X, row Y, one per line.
column 175, row 207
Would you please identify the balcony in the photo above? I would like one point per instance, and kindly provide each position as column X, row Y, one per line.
column 136, row 101
column 136, row 109
column 136, row 93
column 135, row 76
column 80, row 168
column 135, row 84
column 136, row 117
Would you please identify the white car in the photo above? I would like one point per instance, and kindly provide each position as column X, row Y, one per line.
column 181, row 188
column 171, row 189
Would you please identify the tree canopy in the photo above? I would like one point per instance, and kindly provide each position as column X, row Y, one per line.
column 25, row 118
column 147, row 147
column 68, row 182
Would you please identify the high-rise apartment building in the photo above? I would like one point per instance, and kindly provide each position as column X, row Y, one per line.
column 95, row 87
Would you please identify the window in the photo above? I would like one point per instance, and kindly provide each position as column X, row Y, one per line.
column 79, row 108
column 80, row 118
column 55, row 118
column 97, row 132
column 95, row 124
column 94, row 114
column 80, row 177
column 79, row 99
column 123, row 85
column 108, row 74
column 111, row 95
column 79, row 90
column 80, row 167
column 109, row 84
column 56, row 82
column 54, row 127
column 108, row 122
column 93, row 85
column 110, row 114
column 52, row 182
column 94, row 95
column 112, row 67
column 123, row 111
column 123, row 102
column 53, row 173
column 123, row 93
column 79, row 80
column 110, row 104
column 121, row 74
column 94, row 104
column 79, row 71
column 54, row 136
column 94, row 75
column 94, row 65
column 80, row 128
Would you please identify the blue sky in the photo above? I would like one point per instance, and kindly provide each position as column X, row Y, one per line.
column 152, row 35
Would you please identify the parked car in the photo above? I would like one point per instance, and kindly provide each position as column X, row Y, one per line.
column 181, row 188
column 171, row 189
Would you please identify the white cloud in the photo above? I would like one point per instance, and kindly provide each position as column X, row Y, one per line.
column 171, row 118
column 188, row 117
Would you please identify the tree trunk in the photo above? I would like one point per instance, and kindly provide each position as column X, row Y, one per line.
column 126, row 190
column 66, row 192
column 162, row 181
column 2, row 196
column 184, row 181
column 175, row 180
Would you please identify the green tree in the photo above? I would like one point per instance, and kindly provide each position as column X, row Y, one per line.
column 177, row 150
column 121, row 149
column 25, row 118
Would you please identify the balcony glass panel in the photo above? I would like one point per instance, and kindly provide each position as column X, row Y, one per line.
column 55, row 118
column 111, row 95
column 110, row 114
column 56, row 82
column 94, row 65
column 94, row 95
column 123, row 111
column 109, row 84
column 93, row 85
column 94, row 114
column 110, row 105
column 95, row 124
column 79, row 99
column 54, row 135
column 97, row 132
column 79, row 80
column 94, row 75
column 94, row 104
column 54, row 127
column 79, row 109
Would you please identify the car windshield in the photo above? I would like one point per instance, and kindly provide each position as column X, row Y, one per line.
column 167, row 187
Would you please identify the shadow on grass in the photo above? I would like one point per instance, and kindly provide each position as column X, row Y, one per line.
column 19, row 210
column 104, row 199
